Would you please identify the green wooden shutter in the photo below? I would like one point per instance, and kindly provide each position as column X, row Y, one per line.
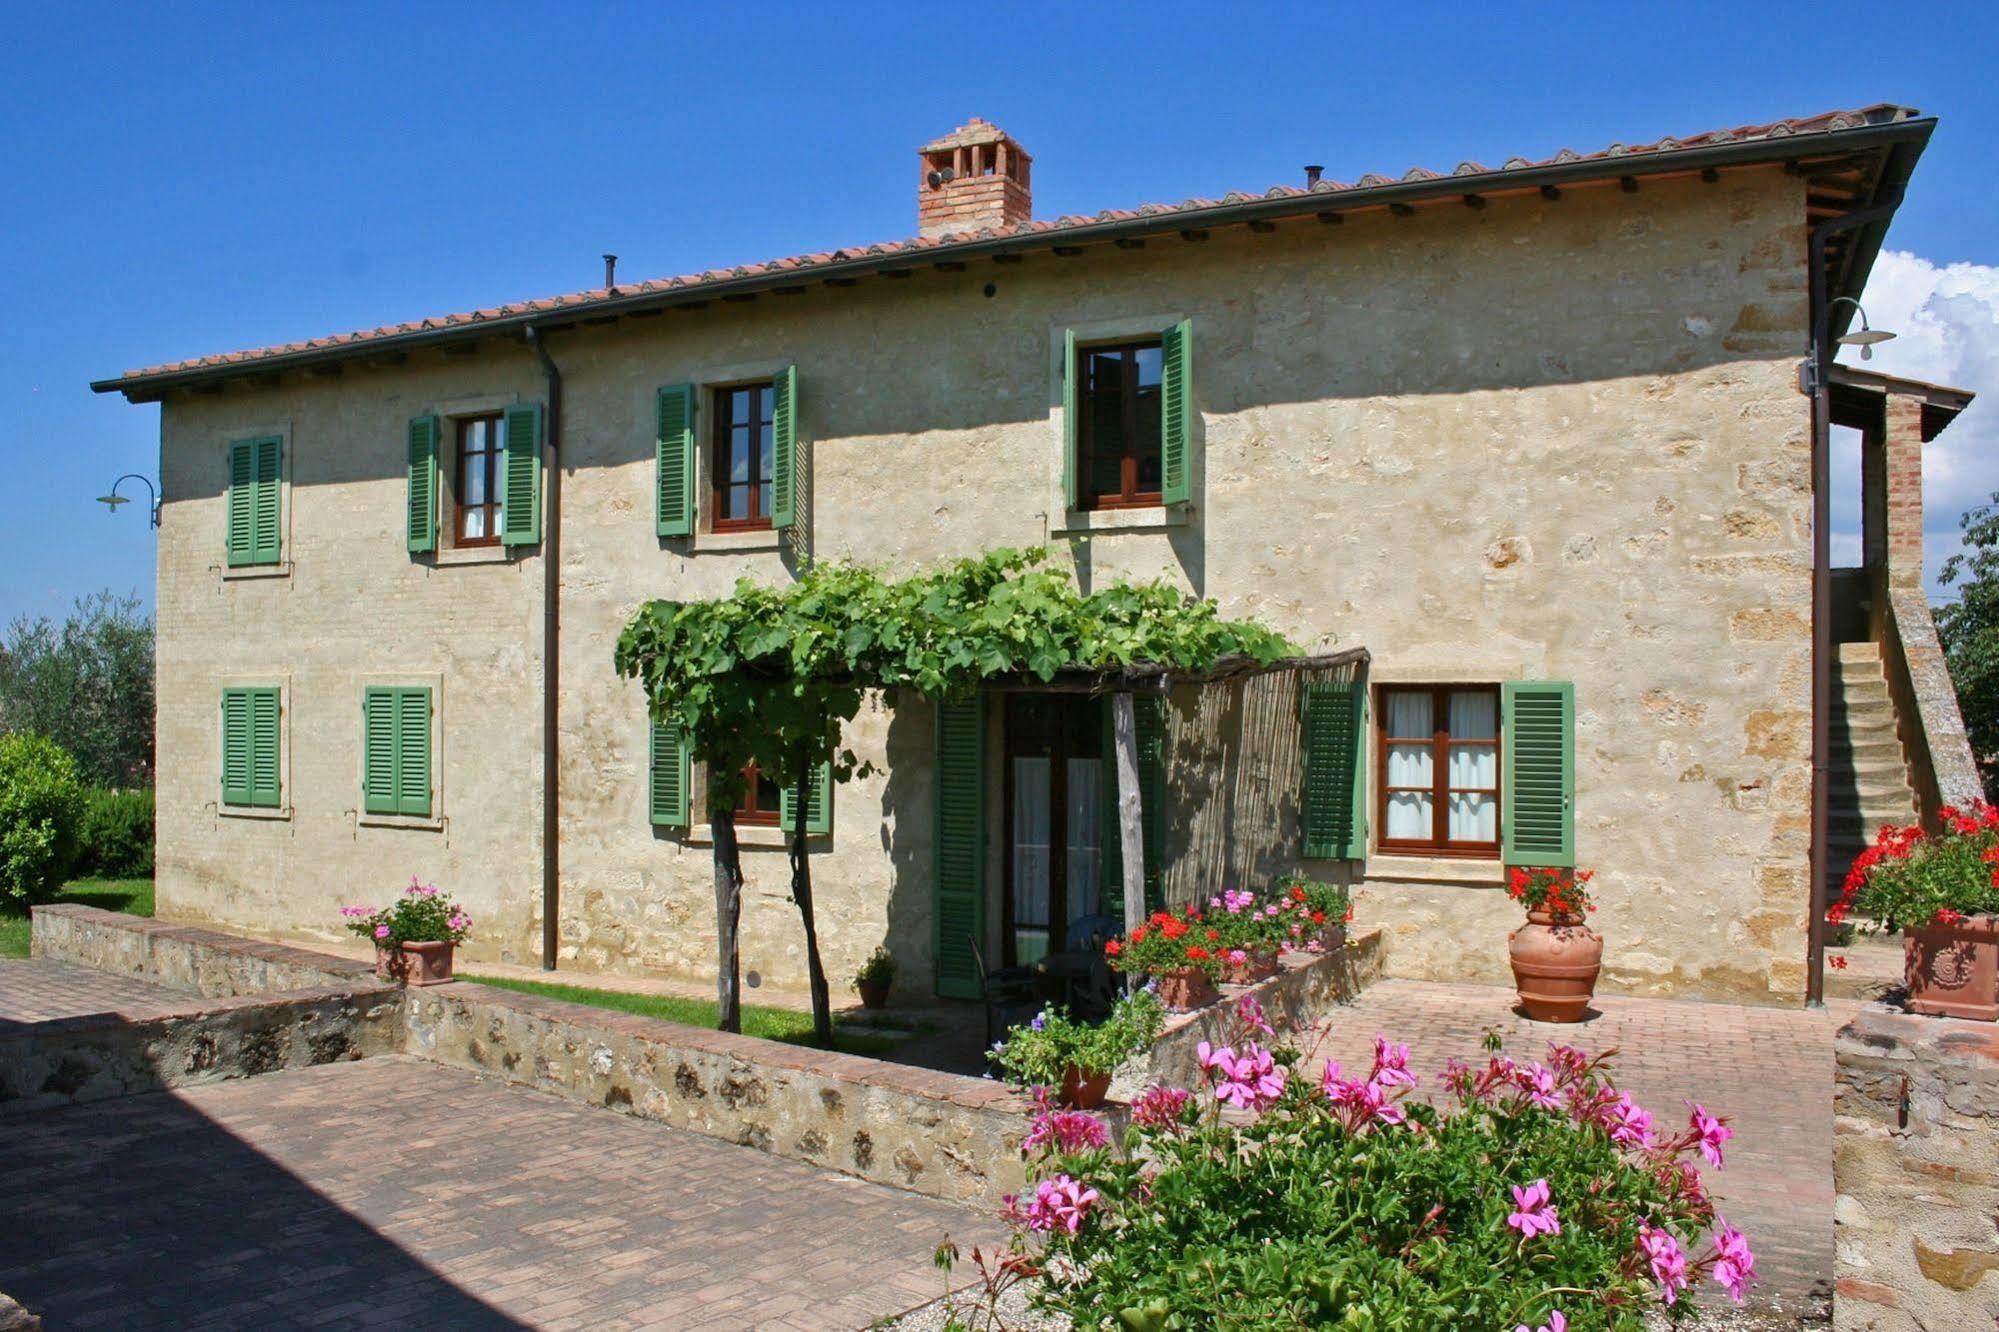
column 236, row 784
column 673, row 501
column 266, row 541
column 378, row 751
column 264, row 723
column 671, row 778
column 1537, row 799
column 1149, row 723
column 784, row 476
column 1071, row 482
column 1334, row 804
column 413, row 752
column 520, row 477
column 958, row 887
column 422, row 517
column 242, row 528
column 818, row 803
column 1176, row 413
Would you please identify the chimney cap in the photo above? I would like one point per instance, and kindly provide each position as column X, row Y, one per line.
column 977, row 130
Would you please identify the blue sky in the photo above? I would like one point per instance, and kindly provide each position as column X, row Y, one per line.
column 193, row 179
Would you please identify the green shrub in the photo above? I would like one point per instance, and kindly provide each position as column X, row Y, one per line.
column 41, row 810
column 1537, row 1196
column 116, row 839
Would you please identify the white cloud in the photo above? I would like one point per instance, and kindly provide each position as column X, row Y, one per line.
column 1946, row 322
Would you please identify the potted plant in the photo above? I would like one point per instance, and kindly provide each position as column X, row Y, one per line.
column 1074, row 1058
column 1179, row 952
column 874, row 978
column 1556, row 955
column 414, row 936
column 1248, row 934
column 1320, row 912
column 1942, row 892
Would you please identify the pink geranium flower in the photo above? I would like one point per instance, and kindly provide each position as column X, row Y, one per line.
column 1060, row 1201
column 1391, row 1064
column 1159, row 1107
column 381, row 931
column 1734, row 1264
column 1538, row 1082
column 1252, row 1080
column 1669, row 1263
column 1066, row 1131
column 1534, row 1214
column 1556, row 1323
column 1251, row 1012
column 1627, row 1124
column 1711, row 1132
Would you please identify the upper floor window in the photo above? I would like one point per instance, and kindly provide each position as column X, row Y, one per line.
column 1118, row 428
column 1440, row 770
column 744, row 452
column 476, row 481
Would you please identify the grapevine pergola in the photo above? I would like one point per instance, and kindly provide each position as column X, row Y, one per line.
column 769, row 675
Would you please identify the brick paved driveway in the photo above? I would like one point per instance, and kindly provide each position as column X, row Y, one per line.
column 393, row 1192
column 1768, row 1069
column 38, row 990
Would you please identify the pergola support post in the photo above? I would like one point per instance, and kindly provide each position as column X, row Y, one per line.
column 1130, row 808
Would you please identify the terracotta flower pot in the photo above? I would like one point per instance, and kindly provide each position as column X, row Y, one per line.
column 1555, row 964
column 1333, row 938
column 1083, row 1091
column 1258, row 967
column 1953, row 970
column 874, row 993
column 1185, row 991
column 390, row 964
column 429, row 963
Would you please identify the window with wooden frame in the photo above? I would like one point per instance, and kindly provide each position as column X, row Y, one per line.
column 762, row 801
column 475, row 488
column 1439, row 762
column 744, row 453
column 1119, row 443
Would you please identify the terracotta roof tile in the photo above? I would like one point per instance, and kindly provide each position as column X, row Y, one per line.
column 1824, row 123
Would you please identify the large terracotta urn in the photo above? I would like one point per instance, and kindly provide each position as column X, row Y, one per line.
column 1556, row 959
column 1953, row 970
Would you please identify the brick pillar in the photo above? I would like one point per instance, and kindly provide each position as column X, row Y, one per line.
column 1902, row 450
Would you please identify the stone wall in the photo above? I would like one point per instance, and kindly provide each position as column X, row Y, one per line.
column 1916, row 1169
column 935, row 1133
column 184, row 958
column 1543, row 439
column 103, row 1055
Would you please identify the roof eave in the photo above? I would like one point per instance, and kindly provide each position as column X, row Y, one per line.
column 1905, row 139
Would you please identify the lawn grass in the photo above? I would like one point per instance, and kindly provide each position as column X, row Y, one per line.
column 134, row 897
column 772, row 1024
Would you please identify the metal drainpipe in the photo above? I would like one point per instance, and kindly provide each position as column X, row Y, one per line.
column 1819, row 368
column 551, row 657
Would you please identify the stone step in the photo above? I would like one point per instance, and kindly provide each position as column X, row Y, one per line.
column 1860, row 651
column 1852, row 749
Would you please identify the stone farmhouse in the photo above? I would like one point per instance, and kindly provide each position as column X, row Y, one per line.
column 1547, row 438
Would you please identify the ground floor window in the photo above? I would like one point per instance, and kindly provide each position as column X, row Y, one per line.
column 762, row 801
column 1439, row 765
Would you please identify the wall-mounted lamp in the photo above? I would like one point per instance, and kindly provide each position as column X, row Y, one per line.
column 1866, row 337
column 114, row 499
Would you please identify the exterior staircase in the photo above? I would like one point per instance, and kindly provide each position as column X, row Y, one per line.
column 1868, row 775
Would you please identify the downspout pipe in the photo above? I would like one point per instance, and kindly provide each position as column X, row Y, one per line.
column 1817, row 372
column 551, row 650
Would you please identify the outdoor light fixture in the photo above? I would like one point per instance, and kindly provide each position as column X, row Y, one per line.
column 1867, row 337
column 114, row 499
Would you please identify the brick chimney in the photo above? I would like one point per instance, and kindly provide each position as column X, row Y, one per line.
column 976, row 176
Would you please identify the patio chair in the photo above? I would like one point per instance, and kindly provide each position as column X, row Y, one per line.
column 1010, row 994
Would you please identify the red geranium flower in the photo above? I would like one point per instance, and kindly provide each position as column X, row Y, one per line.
column 1196, row 953
column 1113, row 947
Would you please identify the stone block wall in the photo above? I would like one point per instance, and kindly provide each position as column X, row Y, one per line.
column 181, row 957
column 1916, row 1169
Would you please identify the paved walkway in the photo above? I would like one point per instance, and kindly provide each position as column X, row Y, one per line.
column 1769, row 1070
column 395, row 1193
column 38, row 990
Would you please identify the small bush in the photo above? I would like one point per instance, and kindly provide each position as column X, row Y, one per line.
column 41, row 811
column 116, row 839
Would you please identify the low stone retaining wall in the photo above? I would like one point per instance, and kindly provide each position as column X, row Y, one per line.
column 102, row 1055
column 182, row 957
column 1305, row 989
column 1916, row 1169
column 934, row 1133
